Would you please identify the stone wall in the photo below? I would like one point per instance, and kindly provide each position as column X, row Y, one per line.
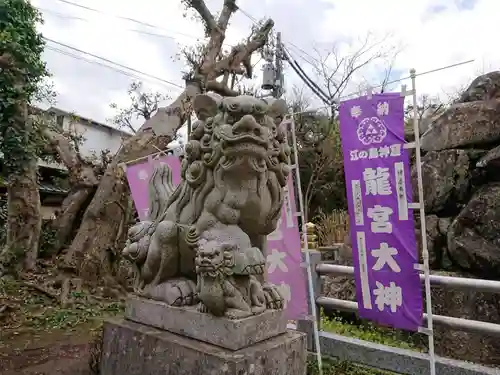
column 460, row 171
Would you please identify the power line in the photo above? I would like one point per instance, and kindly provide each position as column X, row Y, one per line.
column 248, row 15
column 69, row 16
column 139, row 31
column 373, row 87
column 112, row 62
column 143, row 23
column 305, row 78
column 61, row 15
column 129, row 19
column 305, row 53
column 390, row 83
column 124, row 72
column 105, row 59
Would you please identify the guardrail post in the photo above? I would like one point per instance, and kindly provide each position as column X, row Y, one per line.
column 306, row 325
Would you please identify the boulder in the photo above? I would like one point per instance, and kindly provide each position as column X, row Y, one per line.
column 445, row 262
column 443, row 224
column 474, row 236
column 436, row 242
column 484, row 87
column 464, row 125
column 491, row 159
column 445, row 177
column 423, row 125
column 466, row 304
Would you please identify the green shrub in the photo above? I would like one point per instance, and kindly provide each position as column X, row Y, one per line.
column 369, row 332
column 332, row 367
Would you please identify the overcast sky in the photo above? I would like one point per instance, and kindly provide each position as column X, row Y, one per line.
column 430, row 34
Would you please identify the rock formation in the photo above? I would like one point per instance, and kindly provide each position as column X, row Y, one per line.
column 462, row 183
column 461, row 178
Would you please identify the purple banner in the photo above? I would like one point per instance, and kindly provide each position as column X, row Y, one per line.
column 284, row 259
column 378, row 185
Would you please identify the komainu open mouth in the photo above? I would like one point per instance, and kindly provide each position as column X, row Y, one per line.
column 250, row 145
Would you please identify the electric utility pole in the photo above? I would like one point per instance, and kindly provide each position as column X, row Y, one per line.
column 278, row 84
column 272, row 78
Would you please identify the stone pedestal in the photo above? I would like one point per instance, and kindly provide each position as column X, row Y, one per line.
column 159, row 339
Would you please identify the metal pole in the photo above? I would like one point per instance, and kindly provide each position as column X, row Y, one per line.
column 465, row 283
column 312, row 299
column 425, row 251
column 278, row 84
column 459, row 324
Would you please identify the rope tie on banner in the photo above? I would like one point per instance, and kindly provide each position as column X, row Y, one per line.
column 159, row 153
column 154, row 155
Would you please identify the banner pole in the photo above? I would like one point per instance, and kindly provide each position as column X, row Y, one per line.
column 425, row 251
column 312, row 300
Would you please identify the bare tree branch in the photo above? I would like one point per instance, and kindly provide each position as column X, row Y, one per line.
column 227, row 11
column 336, row 71
column 221, row 88
column 143, row 104
column 80, row 171
column 217, row 36
column 205, row 14
column 242, row 52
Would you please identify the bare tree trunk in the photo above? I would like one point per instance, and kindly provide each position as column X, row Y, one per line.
column 83, row 180
column 69, row 219
column 103, row 220
column 24, row 222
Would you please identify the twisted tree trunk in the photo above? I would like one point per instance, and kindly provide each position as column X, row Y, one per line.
column 102, row 230
column 69, row 218
column 83, row 181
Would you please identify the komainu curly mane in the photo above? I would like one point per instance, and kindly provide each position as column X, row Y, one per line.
column 233, row 173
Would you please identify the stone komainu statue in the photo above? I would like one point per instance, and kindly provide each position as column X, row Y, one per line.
column 205, row 241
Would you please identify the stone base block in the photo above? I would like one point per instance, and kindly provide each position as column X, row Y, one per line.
column 187, row 321
column 135, row 349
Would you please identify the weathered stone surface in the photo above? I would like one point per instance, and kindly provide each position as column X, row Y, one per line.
column 435, row 241
column 491, row 159
column 444, row 224
column 135, row 349
column 424, row 123
column 474, row 235
column 464, row 125
column 445, row 176
column 474, row 347
column 204, row 241
column 484, row 87
column 187, row 321
column 341, row 287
